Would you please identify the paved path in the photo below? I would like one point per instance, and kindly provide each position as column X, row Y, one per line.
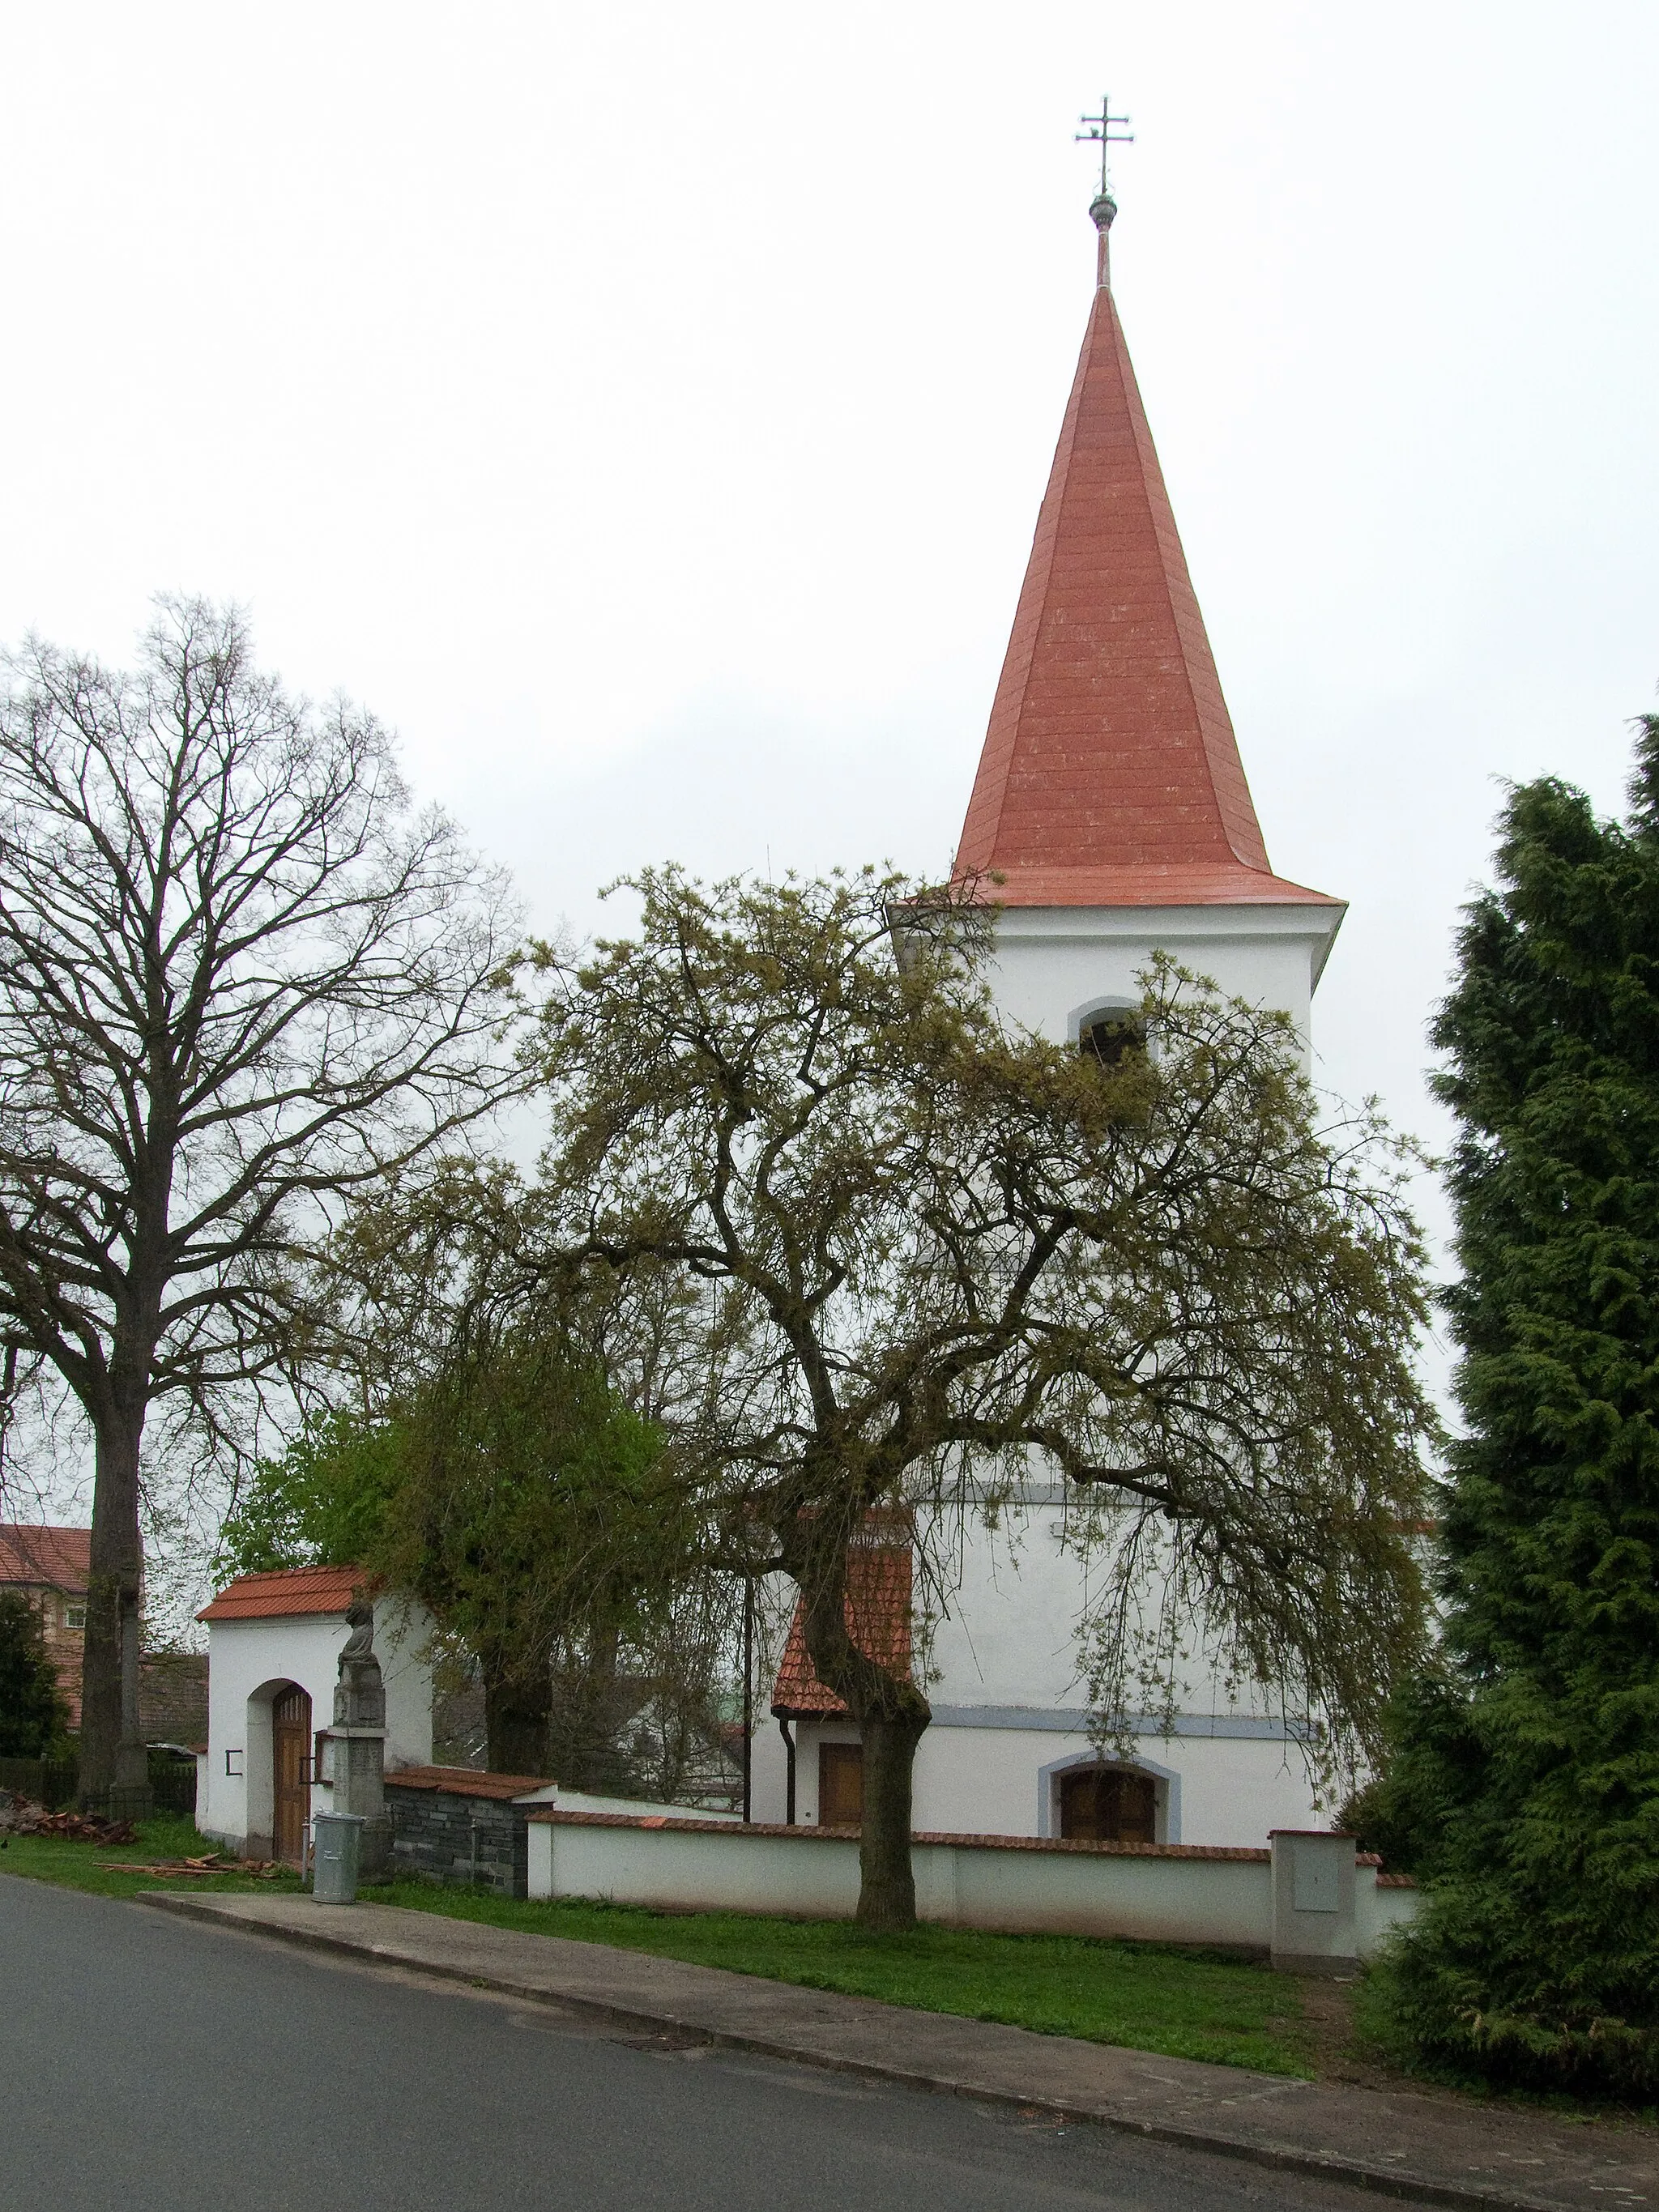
column 1434, row 2149
column 162, row 2065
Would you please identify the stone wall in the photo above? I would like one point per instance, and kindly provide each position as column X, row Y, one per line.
column 458, row 1835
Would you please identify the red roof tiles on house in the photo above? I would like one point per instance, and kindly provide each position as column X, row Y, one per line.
column 878, row 1614
column 292, row 1590
column 46, row 1558
column 1110, row 774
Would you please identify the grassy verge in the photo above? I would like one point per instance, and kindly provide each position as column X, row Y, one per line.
column 1181, row 2003
column 83, row 1865
column 1184, row 2004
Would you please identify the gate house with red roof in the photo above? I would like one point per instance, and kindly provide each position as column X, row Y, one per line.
column 274, row 1644
column 1111, row 806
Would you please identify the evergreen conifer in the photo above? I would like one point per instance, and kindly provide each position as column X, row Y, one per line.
column 1534, row 1764
column 31, row 1714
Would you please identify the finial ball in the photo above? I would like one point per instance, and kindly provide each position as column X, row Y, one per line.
column 1102, row 209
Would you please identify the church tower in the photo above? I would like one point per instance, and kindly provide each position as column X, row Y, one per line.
column 1111, row 820
column 1110, row 807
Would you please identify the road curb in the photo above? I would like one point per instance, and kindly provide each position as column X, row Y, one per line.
column 1354, row 2173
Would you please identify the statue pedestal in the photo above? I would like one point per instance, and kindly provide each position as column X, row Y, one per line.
column 358, row 1736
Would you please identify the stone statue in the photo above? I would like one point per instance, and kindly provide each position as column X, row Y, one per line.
column 359, row 1739
column 359, row 1644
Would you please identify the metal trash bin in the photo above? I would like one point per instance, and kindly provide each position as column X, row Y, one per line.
column 337, row 1845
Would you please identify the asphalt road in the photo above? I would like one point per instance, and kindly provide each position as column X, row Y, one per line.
column 152, row 2065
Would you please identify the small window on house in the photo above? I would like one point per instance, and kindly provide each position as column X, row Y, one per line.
column 75, row 1615
column 1109, row 1036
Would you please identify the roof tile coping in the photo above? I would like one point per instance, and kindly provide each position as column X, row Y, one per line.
column 550, row 1815
column 464, row 1781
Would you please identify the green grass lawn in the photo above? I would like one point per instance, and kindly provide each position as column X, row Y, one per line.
column 1186, row 2004
column 84, row 1866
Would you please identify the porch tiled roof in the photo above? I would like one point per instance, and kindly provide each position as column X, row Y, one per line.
column 290, row 1590
column 877, row 1613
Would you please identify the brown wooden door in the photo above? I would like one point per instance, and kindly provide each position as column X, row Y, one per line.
column 841, row 1785
column 1105, row 1805
column 290, row 1732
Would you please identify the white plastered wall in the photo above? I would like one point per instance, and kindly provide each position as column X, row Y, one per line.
column 249, row 1661
column 1002, row 1780
column 1052, row 964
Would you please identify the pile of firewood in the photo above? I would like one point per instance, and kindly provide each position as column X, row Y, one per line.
column 19, row 1816
column 209, row 1862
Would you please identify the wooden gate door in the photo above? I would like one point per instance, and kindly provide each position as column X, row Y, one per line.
column 290, row 1732
column 841, row 1785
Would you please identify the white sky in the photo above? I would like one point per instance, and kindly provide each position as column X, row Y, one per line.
column 645, row 407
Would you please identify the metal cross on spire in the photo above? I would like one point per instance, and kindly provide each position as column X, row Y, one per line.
column 1098, row 131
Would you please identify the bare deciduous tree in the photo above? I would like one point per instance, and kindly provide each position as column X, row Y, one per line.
column 241, row 980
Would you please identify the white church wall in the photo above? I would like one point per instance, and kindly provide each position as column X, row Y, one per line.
column 769, row 1770
column 1001, row 1778
column 1052, row 963
column 1015, row 1596
column 1008, row 1629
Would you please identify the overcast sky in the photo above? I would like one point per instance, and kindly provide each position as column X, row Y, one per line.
column 645, row 407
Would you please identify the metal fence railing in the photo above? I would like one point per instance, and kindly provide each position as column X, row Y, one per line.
column 173, row 1783
column 48, row 1782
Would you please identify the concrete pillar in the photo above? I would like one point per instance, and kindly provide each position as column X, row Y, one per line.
column 1314, row 1928
column 359, row 1736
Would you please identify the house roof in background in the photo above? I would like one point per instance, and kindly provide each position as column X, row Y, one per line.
column 55, row 1559
column 291, row 1590
column 879, row 1578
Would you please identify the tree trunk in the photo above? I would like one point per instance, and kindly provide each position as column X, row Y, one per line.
column 516, row 1714
column 113, row 1751
column 887, row 1881
column 892, row 1714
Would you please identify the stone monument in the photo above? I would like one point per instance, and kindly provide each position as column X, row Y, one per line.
column 358, row 1736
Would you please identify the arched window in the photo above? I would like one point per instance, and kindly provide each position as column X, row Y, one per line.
column 1109, row 1036
column 1107, row 1805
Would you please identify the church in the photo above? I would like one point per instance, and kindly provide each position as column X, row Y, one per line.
column 1111, row 806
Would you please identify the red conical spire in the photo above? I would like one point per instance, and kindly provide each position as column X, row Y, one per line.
column 1110, row 774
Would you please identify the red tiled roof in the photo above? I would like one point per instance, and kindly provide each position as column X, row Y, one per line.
column 52, row 1559
column 1233, row 886
column 464, row 1781
column 1110, row 774
column 877, row 1613
column 290, row 1590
